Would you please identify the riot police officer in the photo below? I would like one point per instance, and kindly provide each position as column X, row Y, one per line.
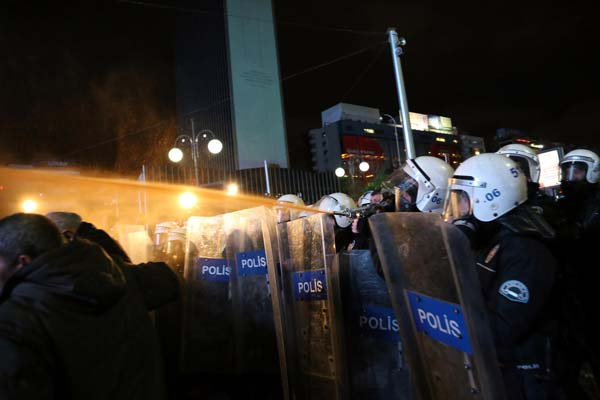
column 339, row 203
column 516, row 270
column 581, row 197
column 420, row 185
column 579, row 236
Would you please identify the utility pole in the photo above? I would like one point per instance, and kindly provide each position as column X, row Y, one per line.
column 396, row 48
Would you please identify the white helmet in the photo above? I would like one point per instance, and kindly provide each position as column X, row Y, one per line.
column 291, row 198
column 525, row 157
column 423, row 180
column 161, row 231
column 486, row 186
column 579, row 164
column 337, row 202
column 285, row 214
column 365, row 199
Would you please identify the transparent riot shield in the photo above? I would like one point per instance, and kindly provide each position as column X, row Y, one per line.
column 135, row 242
column 375, row 363
column 228, row 325
column 312, row 343
column 435, row 292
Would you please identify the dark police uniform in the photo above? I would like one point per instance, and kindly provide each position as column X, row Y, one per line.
column 517, row 274
column 576, row 247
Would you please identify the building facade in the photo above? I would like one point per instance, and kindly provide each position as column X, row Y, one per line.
column 227, row 81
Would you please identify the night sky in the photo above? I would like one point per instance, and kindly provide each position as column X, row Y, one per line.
column 73, row 76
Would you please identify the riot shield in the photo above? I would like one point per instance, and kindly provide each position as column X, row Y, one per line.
column 376, row 366
column 228, row 323
column 135, row 241
column 312, row 343
column 436, row 296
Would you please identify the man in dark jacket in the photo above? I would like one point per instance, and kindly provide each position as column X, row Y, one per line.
column 73, row 325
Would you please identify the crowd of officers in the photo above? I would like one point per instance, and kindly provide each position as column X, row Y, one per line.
column 534, row 254
column 74, row 320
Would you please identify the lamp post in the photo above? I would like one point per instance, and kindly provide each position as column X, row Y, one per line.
column 396, row 135
column 214, row 146
column 396, row 48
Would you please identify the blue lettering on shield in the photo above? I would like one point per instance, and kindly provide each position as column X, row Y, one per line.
column 251, row 263
column 379, row 321
column 440, row 320
column 310, row 285
column 212, row 269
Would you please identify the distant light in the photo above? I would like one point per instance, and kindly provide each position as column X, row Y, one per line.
column 369, row 130
column 232, row 189
column 340, row 172
column 188, row 200
column 175, row 154
column 440, row 139
column 29, row 206
column 364, row 166
column 215, row 146
column 454, row 140
column 477, row 152
column 537, row 146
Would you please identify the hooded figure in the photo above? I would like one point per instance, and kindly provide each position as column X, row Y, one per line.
column 73, row 322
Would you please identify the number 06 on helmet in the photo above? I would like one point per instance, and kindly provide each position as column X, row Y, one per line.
column 486, row 187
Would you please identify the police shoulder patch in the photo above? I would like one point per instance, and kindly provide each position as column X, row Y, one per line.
column 515, row 290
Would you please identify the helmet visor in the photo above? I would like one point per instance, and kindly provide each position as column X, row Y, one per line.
column 574, row 171
column 406, row 187
column 459, row 205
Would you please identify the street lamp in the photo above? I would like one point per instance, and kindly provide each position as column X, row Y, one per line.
column 364, row 166
column 214, row 146
column 396, row 135
column 340, row 172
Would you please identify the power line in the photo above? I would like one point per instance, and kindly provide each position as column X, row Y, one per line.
column 280, row 22
column 118, row 138
column 332, row 61
column 223, row 100
column 364, row 73
column 156, row 125
column 329, row 28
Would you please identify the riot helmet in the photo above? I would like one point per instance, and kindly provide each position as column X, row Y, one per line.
column 525, row 157
column 161, row 232
column 291, row 198
column 338, row 202
column 421, row 184
column 365, row 198
column 485, row 187
column 580, row 166
column 285, row 214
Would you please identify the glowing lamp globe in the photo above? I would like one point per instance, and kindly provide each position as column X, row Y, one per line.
column 215, row 146
column 339, row 172
column 175, row 154
column 363, row 166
